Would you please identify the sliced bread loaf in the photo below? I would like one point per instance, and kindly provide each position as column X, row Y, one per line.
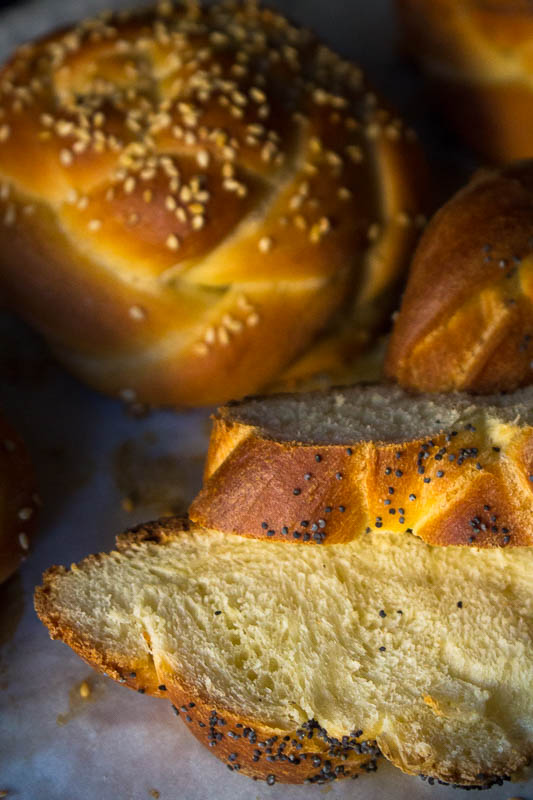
column 286, row 662
column 325, row 467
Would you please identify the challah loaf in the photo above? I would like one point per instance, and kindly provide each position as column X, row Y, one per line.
column 477, row 55
column 285, row 659
column 466, row 317
column 18, row 500
column 189, row 195
column 326, row 467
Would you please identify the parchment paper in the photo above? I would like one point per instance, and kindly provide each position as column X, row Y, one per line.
column 100, row 471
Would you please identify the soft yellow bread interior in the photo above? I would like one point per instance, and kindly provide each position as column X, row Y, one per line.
column 427, row 649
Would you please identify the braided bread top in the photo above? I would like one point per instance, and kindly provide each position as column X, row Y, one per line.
column 194, row 192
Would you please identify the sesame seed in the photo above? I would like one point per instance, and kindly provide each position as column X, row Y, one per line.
column 172, row 242
column 202, row 157
column 129, row 184
column 94, row 225
column 24, row 541
column 137, row 313
column 253, row 319
column 65, row 157
column 25, row 513
column 265, row 244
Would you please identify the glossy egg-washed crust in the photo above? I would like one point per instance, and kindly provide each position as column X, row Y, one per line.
column 477, row 55
column 188, row 197
column 469, row 486
column 18, row 500
column 306, row 754
column 466, row 320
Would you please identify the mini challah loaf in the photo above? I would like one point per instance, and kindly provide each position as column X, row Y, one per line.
column 18, row 501
column 329, row 467
column 478, row 56
column 466, row 320
column 189, row 196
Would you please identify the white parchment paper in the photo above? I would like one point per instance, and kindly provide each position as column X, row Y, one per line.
column 101, row 471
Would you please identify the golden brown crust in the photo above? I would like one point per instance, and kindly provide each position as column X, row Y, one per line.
column 304, row 755
column 18, row 500
column 197, row 220
column 477, row 56
column 467, row 487
column 465, row 319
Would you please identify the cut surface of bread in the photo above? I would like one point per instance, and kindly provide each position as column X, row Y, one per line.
column 426, row 650
column 323, row 467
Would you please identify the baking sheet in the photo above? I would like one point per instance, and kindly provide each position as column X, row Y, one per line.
column 100, row 471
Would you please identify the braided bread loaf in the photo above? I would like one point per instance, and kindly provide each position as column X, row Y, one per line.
column 326, row 467
column 466, row 316
column 293, row 663
column 189, row 196
column 18, row 500
column 478, row 57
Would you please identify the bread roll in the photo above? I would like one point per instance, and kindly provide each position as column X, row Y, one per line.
column 189, row 196
column 328, row 467
column 478, row 57
column 18, row 501
column 294, row 663
column 466, row 317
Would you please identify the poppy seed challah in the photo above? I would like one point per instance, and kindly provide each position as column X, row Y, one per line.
column 190, row 195
column 285, row 660
column 324, row 467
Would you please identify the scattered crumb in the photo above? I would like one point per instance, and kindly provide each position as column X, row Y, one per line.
column 154, row 793
column 128, row 504
column 81, row 696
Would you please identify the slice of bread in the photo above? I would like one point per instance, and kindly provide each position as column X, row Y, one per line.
column 284, row 661
column 324, row 467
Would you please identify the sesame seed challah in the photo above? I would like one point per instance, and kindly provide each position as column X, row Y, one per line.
column 477, row 55
column 466, row 319
column 326, row 467
column 189, row 196
column 18, row 500
column 286, row 660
